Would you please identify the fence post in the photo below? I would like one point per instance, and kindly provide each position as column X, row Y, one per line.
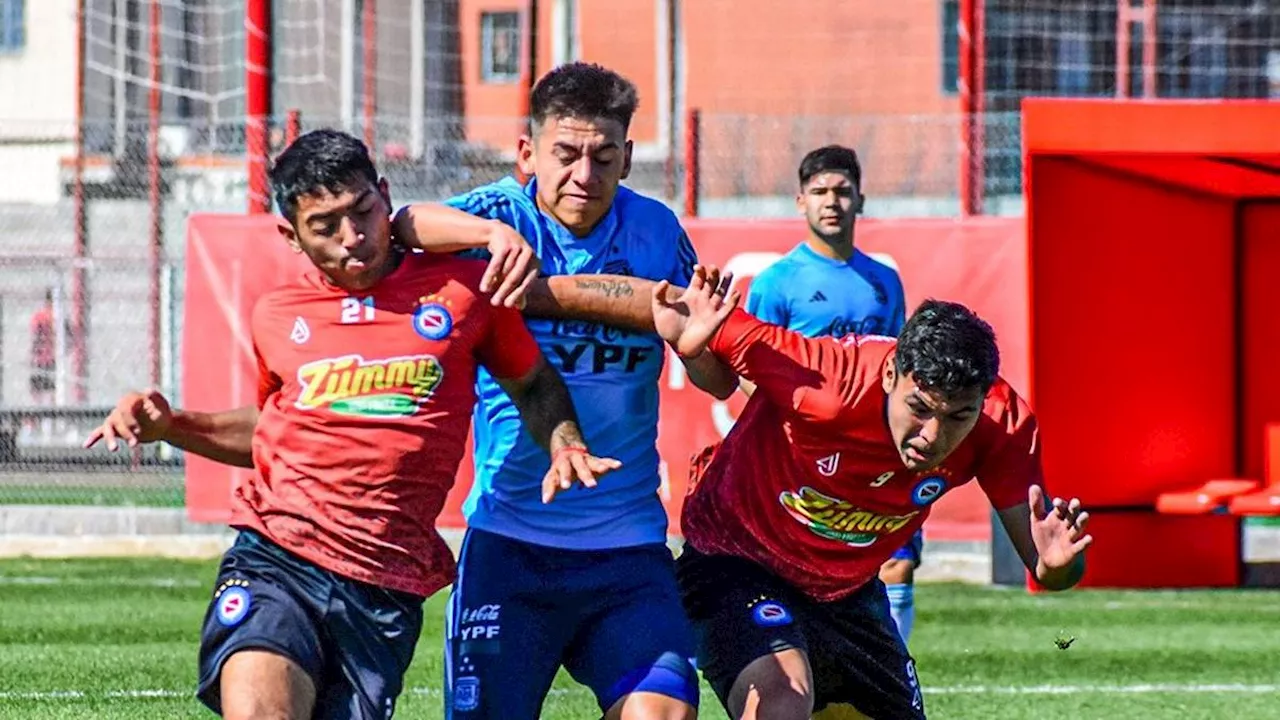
column 692, row 167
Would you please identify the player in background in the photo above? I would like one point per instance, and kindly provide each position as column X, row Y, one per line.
column 833, row 464
column 826, row 287
column 367, row 368
column 586, row 582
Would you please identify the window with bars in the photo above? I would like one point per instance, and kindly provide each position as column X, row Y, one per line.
column 499, row 47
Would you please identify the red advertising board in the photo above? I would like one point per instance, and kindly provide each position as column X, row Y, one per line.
column 231, row 260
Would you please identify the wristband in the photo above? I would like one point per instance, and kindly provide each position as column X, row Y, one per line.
column 556, row 455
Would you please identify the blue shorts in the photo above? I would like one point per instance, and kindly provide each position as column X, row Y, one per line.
column 519, row 611
column 911, row 551
column 354, row 640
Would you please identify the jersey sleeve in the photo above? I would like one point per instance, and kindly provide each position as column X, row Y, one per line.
column 685, row 258
column 898, row 301
column 766, row 300
column 490, row 202
column 813, row 377
column 508, row 350
column 1012, row 464
column 268, row 382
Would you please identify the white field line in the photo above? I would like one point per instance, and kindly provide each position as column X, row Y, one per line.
column 1135, row 689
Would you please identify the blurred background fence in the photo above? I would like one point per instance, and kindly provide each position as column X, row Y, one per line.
column 123, row 117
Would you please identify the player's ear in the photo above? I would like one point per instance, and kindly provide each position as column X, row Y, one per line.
column 384, row 189
column 290, row 236
column 859, row 200
column 525, row 156
column 626, row 159
column 889, row 377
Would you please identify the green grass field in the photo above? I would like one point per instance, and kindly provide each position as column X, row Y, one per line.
column 117, row 639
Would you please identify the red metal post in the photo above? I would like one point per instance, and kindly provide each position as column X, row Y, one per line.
column 971, row 89
column 257, row 86
column 80, row 252
column 1149, row 48
column 370, row 79
column 692, row 166
column 154, row 192
column 292, row 126
column 1122, row 48
column 528, row 73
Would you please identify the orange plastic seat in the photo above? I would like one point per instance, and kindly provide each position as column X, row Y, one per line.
column 1263, row 502
column 1213, row 496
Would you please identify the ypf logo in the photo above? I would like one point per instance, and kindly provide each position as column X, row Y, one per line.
column 432, row 321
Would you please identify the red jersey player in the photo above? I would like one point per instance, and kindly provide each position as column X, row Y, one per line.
column 367, row 368
column 832, row 465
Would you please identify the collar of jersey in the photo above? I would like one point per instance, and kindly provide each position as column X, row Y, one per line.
column 814, row 255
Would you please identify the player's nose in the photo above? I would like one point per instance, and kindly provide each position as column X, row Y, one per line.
column 929, row 430
column 584, row 172
column 352, row 236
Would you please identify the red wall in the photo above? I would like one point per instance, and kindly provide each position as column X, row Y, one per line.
column 1133, row 338
column 1260, row 332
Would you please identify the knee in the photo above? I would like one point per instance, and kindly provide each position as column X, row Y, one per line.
column 784, row 701
column 260, row 685
column 779, row 686
column 897, row 572
column 259, row 709
column 649, row 706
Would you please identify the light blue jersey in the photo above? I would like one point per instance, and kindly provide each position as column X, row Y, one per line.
column 612, row 376
column 819, row 296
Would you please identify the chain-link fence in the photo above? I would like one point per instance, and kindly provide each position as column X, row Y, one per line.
column 92, row 243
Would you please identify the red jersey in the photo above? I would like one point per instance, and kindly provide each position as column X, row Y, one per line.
column 366, row 400
column 809, row 483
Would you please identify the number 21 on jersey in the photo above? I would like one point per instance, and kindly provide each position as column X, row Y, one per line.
column 356, row 309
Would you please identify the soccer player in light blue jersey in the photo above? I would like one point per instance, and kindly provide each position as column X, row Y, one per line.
column 585, row 581
column 826, row 286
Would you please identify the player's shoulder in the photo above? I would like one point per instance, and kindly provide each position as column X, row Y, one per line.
column 307, row 287
column 772, row 282
column 505, row 195
column 881, row 264
column 639, row 208
column 425, row 269
column 1004, row 408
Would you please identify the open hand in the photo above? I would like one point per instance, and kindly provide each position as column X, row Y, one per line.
column 513, row 266
column 574, row 464
column 137, row 418
column 1058, row 531
column 689, row 323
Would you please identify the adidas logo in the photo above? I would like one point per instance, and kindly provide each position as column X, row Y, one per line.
column 818, row 297
column 301, row 332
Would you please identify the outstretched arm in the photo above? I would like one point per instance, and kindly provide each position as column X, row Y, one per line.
column 438, row 228
column 225, row 437
column 544, row 404
column 1050, row 540
column 625, row 302
column 616, row 300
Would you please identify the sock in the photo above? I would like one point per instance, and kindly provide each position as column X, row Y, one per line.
column 902, row 606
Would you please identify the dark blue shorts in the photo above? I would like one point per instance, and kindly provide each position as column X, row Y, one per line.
column 911, row 551
column 519, row 611
column 741, row 612
column 355, row 640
